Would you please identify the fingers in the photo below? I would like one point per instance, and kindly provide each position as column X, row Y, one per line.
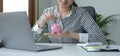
column 50, row 16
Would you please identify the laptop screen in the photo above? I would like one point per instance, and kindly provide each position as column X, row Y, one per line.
column 15, row 31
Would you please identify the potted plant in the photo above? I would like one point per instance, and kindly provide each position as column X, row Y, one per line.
column 102, row 23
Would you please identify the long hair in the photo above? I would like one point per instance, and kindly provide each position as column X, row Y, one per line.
column 74, row 4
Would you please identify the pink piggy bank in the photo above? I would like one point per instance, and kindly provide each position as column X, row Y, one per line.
column 56, row 28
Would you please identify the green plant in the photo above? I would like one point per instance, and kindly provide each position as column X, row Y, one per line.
column 103, row 21
column 43, row 38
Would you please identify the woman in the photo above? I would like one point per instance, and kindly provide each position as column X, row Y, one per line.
column 73, row 20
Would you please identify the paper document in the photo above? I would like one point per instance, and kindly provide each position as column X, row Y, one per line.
column 90, row 44
column 101, row 48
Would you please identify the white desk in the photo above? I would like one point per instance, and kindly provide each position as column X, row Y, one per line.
column 67, row 50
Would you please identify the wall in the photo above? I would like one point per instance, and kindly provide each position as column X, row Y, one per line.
column 104, row 7
column 53, row 2
column 43, row 4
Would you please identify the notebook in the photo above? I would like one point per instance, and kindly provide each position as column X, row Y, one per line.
column 102, row 48
column 16, row 33
column 99, row 47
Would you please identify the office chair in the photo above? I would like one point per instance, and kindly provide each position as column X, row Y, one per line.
column 91, row 11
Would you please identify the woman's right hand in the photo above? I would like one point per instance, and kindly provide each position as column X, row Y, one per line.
column 48, row 16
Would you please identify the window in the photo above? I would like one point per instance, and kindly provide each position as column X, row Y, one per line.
column 15, row 5
column 21, row 5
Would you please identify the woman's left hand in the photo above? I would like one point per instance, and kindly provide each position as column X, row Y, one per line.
column 65, row 33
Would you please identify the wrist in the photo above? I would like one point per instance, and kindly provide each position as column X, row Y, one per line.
column 42, row 24
column 75, row 35
column 45, row 20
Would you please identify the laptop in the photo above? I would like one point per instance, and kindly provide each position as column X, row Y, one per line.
column 16, row 33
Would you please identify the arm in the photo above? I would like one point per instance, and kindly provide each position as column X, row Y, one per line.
column 93, row 30
column 39, row 27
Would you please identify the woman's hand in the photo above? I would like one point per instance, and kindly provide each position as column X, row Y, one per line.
column 65, row 33
column 48, row 16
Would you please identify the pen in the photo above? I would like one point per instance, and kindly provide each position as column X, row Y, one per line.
column 109, row 50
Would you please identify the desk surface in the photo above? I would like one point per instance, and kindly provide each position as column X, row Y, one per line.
column 67, row 50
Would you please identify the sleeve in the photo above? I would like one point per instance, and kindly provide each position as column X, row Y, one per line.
column 93, row 30
column 36, row 31
column 83, row 37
